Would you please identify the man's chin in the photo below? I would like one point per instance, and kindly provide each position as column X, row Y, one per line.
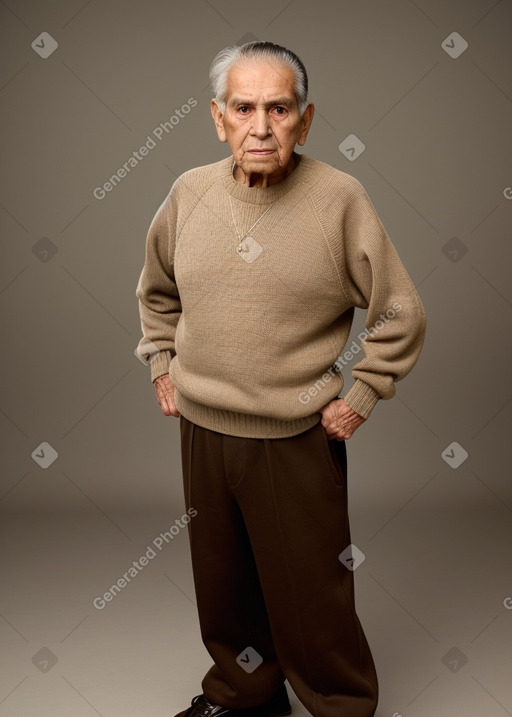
column 260, row 167
column 268, row 168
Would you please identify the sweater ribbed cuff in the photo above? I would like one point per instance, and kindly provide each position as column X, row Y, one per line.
column 160, row 364
column 362, row 398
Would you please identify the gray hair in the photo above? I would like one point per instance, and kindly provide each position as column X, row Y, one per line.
column 228, row 57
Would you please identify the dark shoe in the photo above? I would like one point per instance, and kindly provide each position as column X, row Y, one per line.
column 278, row 706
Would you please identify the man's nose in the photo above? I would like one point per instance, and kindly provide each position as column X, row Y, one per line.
column 261, row 124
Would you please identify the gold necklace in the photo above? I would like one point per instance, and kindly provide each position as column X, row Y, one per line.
column 246, row 243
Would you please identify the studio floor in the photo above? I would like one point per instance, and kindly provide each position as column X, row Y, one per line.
column 440, row 646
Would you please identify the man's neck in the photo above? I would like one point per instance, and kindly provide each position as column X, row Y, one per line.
column 263, row 180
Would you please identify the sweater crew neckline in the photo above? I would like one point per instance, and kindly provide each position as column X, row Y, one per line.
column 264, row 195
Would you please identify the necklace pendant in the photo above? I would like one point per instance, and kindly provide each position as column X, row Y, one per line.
column 245, row 245
column 249, row 249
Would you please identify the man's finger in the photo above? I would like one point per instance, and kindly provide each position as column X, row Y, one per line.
column 165, row 397
column 168, row 405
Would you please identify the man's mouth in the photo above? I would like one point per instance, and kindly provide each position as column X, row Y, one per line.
column 261, row 152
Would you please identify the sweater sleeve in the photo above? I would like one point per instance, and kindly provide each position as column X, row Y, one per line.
column 376, row 280
column 159, row 301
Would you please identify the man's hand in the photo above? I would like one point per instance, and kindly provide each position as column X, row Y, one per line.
column 165, row 395
column 339, row 420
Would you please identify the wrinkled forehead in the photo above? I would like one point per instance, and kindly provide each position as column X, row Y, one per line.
column 255, row 79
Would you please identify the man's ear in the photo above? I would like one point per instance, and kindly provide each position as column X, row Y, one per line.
column 306, row 120
column 218, row 118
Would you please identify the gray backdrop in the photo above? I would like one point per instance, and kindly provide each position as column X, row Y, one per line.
column 91, row 469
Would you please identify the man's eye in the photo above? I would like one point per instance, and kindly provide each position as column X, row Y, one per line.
column 244, row 109
column 280, row 110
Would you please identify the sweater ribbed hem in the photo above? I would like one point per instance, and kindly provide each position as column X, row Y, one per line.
column 362, row 398
column 243, row 425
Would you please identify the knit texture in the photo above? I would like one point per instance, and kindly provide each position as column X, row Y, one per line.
column 254, row 340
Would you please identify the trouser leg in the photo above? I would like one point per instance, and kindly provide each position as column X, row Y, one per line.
column 285, row 501
column 293, row 496
column 232, row 613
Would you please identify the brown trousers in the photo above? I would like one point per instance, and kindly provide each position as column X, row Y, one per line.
column 271, row 522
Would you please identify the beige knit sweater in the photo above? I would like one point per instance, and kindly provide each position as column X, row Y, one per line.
column 253, row 331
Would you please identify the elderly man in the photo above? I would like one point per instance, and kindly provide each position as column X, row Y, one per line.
column 254, row 266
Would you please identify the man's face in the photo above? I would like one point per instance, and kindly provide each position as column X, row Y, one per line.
column 261, row 122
